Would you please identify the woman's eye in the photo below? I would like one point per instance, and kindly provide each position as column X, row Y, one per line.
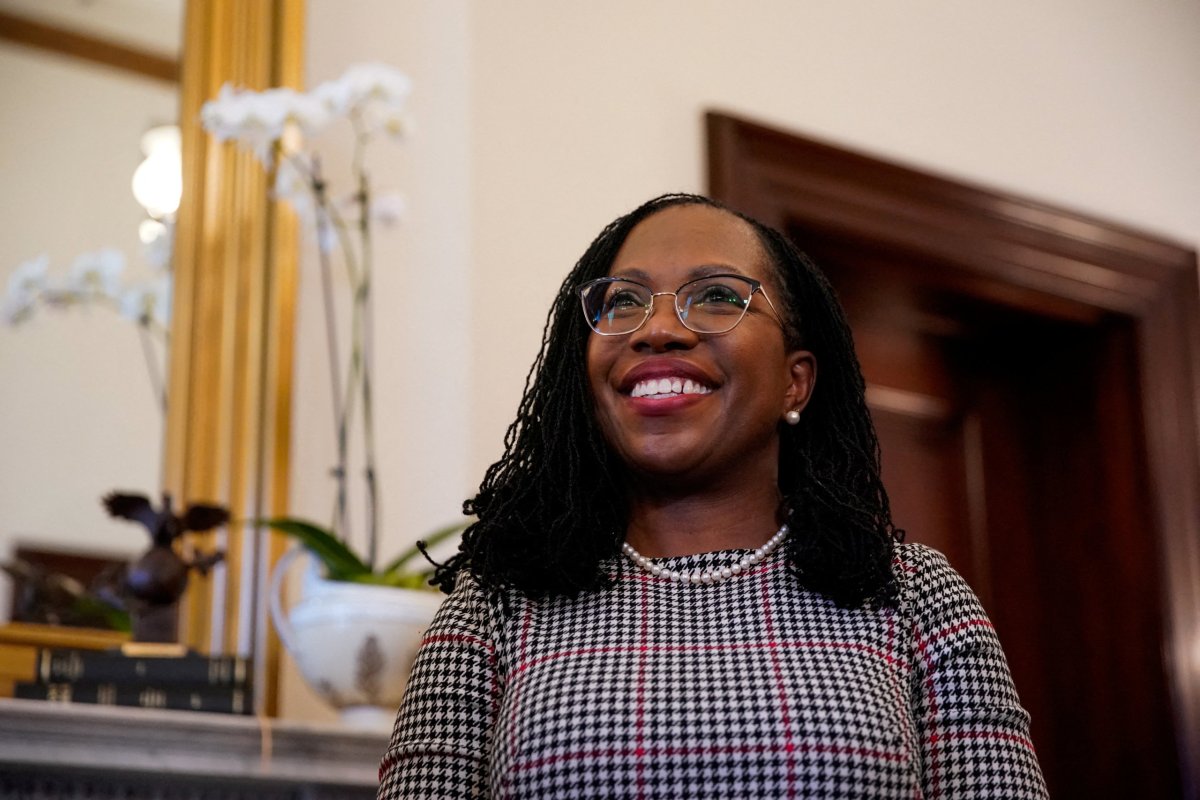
column 717, row 294
column 624, row 299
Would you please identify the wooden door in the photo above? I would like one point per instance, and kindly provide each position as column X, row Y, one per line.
column 1034, row 377
column 1011, row 443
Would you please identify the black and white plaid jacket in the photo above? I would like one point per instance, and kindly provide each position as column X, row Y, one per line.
column 748, row 688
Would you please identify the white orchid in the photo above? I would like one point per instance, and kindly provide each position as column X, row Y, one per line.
column 148, row 302
column 95, row 279
column 294, row 186
column 258, row 120
column 388, row 208
column 365, row 85
column 97, row 273
column 373, row 95
column 372, row 98
column 394, row 122
column 25, row 284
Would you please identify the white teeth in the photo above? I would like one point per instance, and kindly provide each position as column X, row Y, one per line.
column 668, row 386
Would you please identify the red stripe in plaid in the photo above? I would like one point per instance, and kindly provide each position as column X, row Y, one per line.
column 709, row 648
column 893, row 659
column 516, row 687
column 932, row 738
column 458, row 637
column 640, row 737
column 780, row 686
column 603, row 753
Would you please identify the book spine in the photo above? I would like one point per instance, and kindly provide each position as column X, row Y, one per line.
column 18, row 662
column 176, row 698
column 97, row 666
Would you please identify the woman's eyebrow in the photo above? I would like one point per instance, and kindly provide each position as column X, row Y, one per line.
column 714, row 269
column 701, row 271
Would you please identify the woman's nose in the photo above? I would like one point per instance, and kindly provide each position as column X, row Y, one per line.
column 663, row 330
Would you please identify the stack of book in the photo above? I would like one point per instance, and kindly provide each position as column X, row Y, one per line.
column 129, row 676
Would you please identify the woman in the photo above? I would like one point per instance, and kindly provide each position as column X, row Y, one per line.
column 684, row 579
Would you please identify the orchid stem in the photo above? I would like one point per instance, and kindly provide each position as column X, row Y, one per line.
column 368, row 343
column 156, row 378
column 341, row 522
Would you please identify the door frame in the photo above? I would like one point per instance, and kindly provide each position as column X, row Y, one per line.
column 1038, row 258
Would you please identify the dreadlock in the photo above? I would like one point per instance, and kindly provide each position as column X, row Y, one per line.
column 552, row 508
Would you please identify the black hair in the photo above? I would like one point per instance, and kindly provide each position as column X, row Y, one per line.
column 553, row 508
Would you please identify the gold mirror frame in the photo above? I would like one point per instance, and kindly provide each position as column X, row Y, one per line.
column 228, row 424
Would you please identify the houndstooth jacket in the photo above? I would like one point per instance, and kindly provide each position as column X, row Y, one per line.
column 751, row 687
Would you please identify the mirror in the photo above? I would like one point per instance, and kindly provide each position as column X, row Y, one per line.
column 79, row 404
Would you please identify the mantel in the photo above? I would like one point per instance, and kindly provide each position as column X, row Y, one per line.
column 100, row 752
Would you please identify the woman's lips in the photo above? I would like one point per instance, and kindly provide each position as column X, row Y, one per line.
column 658, row 387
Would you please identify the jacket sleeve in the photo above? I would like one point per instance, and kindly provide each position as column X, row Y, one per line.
column 972, row 730
column 440, row 744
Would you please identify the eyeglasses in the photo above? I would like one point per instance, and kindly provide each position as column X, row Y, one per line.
column 712, row 304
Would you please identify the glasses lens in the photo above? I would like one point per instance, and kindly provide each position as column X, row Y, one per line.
column 716, row 304
column 614, row 306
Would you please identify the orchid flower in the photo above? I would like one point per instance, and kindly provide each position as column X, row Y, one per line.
column 24, row 286
column 148, row 301
column 97, row 273
column 258, row 120
column 388, row 208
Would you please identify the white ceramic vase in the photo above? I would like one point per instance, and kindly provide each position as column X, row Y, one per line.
column 354, row 643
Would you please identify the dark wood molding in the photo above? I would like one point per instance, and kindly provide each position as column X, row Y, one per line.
column 1036, row 258
column 59, row 40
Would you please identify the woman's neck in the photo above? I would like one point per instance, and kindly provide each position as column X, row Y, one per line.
column 674, row 524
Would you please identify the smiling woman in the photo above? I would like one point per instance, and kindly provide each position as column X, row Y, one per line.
column 684, row 580
column 753, row 377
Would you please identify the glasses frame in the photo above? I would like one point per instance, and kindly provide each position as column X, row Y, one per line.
column 756, row 287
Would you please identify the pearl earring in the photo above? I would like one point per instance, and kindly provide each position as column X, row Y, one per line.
column 792, row 417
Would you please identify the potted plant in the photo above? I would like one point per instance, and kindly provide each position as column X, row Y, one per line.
column 357, row 625
column 355, row 631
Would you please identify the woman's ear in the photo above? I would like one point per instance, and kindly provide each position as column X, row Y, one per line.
column 802, row 374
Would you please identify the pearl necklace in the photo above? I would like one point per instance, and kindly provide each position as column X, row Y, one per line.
column 707, row 576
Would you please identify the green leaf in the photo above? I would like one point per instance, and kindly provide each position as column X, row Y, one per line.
column 397, row 580
column 395, row 568
column 116, row 618
column 340, row 563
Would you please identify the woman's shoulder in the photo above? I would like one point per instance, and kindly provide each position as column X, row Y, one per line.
column 910, row 558
column 929, row 584
column 472, row 597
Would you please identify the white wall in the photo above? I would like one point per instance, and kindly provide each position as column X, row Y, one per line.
column 583, row 110
column 77, row 414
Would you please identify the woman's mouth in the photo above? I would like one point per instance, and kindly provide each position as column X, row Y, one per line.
column 668, row 386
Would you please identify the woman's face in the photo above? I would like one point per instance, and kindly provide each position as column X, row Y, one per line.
column 742, row 381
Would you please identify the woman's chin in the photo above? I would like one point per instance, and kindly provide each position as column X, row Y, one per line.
column 669, row 466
